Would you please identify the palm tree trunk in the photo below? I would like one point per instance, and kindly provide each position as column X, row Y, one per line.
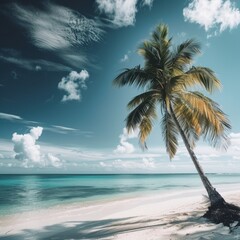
column 215, row 198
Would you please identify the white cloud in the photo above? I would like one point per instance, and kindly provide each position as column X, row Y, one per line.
column 155, row 160
column 147, row 2
column 38, row 68
column 149, row 162
column 102, row 164
column 10, row 117
column 125, row 58
column 234, row 135
column 29, row 153
column 213, row 14
column 72, row 85
column 25, row 145
column 125, row 146
column 54, row 161
column 118, row 164
column 121, row 12
column 137, row 165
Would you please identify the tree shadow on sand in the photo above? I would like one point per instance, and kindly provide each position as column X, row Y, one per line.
column 107, row 229
column 100, row 229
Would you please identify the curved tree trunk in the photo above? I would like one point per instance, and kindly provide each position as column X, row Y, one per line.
column 215, row 198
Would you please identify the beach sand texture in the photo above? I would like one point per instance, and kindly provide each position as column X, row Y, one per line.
column 175, row 215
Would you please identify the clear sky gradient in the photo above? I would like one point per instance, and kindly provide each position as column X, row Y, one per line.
column 60, row 113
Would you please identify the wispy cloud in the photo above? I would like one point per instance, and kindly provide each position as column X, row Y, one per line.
column 55, row 27
column 121, row 13
column 15, row 118
column 10, row 117
column 72, row 84
column 54, row 130
column 64, row 128
column 217, row 15
column 59, row 29
column 15, row 58
column 67, row 130
column 51, row 128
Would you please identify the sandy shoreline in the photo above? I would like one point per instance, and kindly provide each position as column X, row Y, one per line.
column 174, row 215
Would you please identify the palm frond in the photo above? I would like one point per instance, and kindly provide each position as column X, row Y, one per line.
column 156, row 52
column 150, row 54
column 146, row 125
column 170, row 134
column 160, row 35
column 189, row 121
column 214, row 123
column 202, row 76
column 155, row 94
column 135, row 117
column 184, row 54
column 133, row 76
column 162, row 29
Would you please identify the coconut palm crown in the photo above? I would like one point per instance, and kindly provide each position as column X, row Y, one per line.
column 167, row 78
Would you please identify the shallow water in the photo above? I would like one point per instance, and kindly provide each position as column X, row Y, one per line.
column 20, row 193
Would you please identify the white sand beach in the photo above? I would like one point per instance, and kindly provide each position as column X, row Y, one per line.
column 172, row 215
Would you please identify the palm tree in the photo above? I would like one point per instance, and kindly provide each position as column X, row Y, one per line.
column 168, row 78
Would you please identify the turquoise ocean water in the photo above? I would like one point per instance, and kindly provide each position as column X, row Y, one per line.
column 20, row 193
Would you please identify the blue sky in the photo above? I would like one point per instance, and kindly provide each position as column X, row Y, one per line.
column 60, row 113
